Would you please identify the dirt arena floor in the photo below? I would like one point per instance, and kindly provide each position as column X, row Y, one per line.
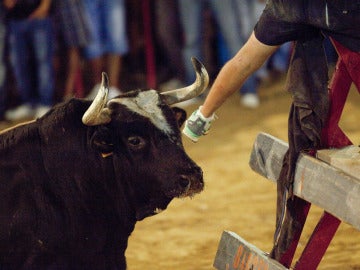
column 186, row 235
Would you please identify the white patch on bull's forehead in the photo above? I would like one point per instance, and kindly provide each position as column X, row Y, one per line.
column 147, row 104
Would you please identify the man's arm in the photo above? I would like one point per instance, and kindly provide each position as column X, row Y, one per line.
column 234, row 73
column 229, row 80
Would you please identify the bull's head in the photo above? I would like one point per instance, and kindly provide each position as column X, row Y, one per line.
column 140, row 132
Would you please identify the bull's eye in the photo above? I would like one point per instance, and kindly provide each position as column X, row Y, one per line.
column 136, row 142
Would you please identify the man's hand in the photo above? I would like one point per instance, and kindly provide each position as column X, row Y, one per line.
column 197, row 125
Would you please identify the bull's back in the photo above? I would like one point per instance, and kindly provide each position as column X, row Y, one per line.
column 19, row 145
column 22, row 143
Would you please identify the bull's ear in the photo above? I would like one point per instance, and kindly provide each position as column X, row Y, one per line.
column 102, row 141
column 180, row 115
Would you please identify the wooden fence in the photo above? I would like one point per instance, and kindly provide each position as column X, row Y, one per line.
column 330, row 181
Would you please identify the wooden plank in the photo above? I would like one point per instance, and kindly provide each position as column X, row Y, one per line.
column 346, row 159
column 234, row 253
column 315, row 181
column 267, row 156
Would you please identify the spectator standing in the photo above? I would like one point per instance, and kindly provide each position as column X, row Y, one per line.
column 73, row 31
column 169, row 38
column 226, row 17
column 31, row 56
column 107, row 24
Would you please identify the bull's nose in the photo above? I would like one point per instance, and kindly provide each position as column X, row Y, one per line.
column 193, row 180
column 184, row 181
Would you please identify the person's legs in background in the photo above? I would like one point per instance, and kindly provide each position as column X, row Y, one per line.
column 115, row 41
column 93, row 51
column 169, row 36
column 72, row 32
column 42, row 44
column 190, row 12
column 108, row 41
column 20, row 57
column 227, row 16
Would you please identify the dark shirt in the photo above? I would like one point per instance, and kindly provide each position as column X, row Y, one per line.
column 289, row 20
column 22, row 9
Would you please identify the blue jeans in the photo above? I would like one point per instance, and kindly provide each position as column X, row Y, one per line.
column 31, row 57
column 226, row 16
column 107, row 27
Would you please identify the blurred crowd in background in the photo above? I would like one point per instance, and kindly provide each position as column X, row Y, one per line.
column 51, row 51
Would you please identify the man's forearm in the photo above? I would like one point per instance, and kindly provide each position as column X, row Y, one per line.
column 235, row 72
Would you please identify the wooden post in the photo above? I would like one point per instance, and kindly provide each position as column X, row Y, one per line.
column 318, row 242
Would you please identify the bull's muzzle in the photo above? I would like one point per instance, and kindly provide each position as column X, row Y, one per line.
column 190, row 184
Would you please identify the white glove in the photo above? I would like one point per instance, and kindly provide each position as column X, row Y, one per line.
column 197, row 125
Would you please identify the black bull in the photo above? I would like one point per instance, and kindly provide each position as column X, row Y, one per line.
column 74, row 182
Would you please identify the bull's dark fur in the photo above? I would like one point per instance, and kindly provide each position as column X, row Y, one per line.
column 65, row 204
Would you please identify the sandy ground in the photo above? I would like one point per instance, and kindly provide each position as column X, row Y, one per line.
column 186, row 235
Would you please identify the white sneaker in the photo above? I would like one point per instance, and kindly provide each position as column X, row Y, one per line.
column 250, row 100
column 41, row 110
column 21, row 112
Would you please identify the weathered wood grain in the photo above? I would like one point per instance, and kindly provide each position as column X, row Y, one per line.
column 346, row 159
column 315, row 181
column 234, row 253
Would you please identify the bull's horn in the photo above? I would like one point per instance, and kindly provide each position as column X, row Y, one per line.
column 96, row 114
column 191, row 91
